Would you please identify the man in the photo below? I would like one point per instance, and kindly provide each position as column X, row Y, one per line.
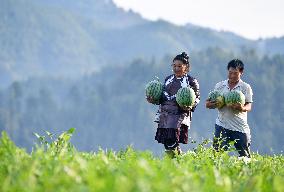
column 231, row 123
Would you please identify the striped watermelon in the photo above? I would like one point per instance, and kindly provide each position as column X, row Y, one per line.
column 217, row 96
column 154, row 89
column 233, row 97
column 185, row 97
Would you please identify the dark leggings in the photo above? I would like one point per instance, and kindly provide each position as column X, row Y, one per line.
column 171, row 144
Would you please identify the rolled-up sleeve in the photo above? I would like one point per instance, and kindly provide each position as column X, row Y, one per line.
column 248, row 94
column 195, row 86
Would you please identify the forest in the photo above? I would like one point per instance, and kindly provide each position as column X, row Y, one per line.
column 109, row 110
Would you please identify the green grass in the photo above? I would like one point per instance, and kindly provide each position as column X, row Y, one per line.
column 56, row 165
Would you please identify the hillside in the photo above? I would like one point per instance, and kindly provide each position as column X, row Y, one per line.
column 67, row 38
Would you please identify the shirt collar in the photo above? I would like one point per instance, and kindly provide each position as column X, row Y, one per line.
column 180, row 77
column 227, row 83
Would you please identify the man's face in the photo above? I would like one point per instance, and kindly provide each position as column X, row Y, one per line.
column 234, row 75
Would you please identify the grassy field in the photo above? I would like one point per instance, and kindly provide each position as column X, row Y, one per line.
column 55, row 165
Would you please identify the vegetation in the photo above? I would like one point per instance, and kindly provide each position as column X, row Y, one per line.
column 62, row 65
column 56, row 165
column 48, row 49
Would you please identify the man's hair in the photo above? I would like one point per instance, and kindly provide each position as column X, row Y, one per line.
column 236, row 64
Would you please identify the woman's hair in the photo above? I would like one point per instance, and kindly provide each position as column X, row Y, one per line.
column 236, row 64
column 183, row 57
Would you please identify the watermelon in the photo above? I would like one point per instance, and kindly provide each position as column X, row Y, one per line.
column 154, row 89
column 233, row 97
column 217, row 96
column 185, row 97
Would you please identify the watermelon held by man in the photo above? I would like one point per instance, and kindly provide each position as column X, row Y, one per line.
column 234, row 97
column 185, row 97
column 154, row 90
column 216, row 96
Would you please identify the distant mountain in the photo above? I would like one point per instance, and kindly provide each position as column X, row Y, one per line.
column 234, row 42
column 68, row 37
column 271, row 46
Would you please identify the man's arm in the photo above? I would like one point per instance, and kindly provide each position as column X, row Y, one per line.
column 211, row 104
column 242, row 108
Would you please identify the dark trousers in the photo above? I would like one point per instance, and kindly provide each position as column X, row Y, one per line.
column 223, row 137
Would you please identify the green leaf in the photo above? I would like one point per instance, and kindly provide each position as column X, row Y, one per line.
column 71, row 130
column 37, row 135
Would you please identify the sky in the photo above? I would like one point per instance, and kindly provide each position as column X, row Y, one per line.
column 252, row 19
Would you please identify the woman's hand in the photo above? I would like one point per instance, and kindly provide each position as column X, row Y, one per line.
column 186, row 108
column 150, row 99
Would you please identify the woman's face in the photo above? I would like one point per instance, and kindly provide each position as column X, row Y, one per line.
column 179, row 68
column 234, row 75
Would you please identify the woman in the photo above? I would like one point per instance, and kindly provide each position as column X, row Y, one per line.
column 174, row 121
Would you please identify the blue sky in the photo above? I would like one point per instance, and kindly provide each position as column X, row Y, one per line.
column 252, row 19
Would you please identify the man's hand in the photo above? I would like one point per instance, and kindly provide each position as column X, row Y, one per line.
column 211, row 104
column 237, row 107
column 241, row 108
column 214, row 104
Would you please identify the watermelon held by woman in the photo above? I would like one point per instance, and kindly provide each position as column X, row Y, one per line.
column 154, row 89
column 185, row 97
column 234, row 97
column 216, row 96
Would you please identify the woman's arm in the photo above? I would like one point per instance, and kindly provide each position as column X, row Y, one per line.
column 195, row 86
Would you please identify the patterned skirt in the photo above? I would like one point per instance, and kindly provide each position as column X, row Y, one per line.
column 179, row 135
column 170, row 125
